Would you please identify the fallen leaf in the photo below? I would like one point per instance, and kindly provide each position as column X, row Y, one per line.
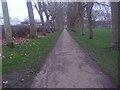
column 12, row 54
column 3, row 56
column 5, row 82
column 22, row 80
column 31, row 71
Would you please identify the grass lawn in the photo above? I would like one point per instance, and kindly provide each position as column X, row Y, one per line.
column 98, row 50
column 24, row 60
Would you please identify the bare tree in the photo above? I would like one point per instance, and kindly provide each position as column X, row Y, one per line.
column 72, row 16
column 7, row 24
column 58, row 15
column 89, row 15
column 81, row 15
column 33, row 32
column 51, row 8
column 39, row 8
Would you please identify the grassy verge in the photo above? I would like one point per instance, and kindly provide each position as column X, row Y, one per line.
column 98, row 50
column 23, row 61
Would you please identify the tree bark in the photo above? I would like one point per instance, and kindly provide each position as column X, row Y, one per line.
column 89, row 15
column 33, row 31
column 72, row 16
column 41, row 17
column 115, row 9
column 81, row 13
column 8, row 30
column 47, row 17
column 58, row 16
column 53, row 24
column 82, row 26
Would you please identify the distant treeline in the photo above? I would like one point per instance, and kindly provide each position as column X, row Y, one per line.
column 99, row 24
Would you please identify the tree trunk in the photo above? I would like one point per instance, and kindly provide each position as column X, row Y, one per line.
column 48, row 25
column 57, row 22
column 47, row 17
column 58, row 16
column 89, row 14
column 7, row 24
column 81, row 13
column 72, row 16
column 48, row 22
column 53, row 24
column 82, row 26
column 41, row 17
column 33, row 32
column 115, row 9
column 61, row 20
column 57, row 19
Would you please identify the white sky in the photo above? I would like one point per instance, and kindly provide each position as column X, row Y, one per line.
column 18, row 9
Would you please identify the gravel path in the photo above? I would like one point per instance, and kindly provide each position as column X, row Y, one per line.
column 69, row 66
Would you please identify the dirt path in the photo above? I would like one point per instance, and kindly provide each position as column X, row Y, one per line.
column 69, row 66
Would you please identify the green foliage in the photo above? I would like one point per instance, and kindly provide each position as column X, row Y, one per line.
column 98, row 48
column 31, row 54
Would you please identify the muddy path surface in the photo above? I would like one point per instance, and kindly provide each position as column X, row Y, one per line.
column 69, row 66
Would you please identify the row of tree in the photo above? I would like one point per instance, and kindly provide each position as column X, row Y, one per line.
column 77, row 11
column 51, row 13
column 59, row 14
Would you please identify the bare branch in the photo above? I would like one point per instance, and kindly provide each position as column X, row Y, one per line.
column 102, row 4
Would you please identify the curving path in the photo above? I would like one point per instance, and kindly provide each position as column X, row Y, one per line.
column 69, row 66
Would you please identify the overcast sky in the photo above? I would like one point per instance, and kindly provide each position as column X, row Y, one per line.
column 18, row 9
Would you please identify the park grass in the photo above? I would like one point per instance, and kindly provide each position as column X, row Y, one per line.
column 27, row 57
column 98, row 48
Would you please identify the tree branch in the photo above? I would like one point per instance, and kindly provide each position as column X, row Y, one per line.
column 102, row 4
